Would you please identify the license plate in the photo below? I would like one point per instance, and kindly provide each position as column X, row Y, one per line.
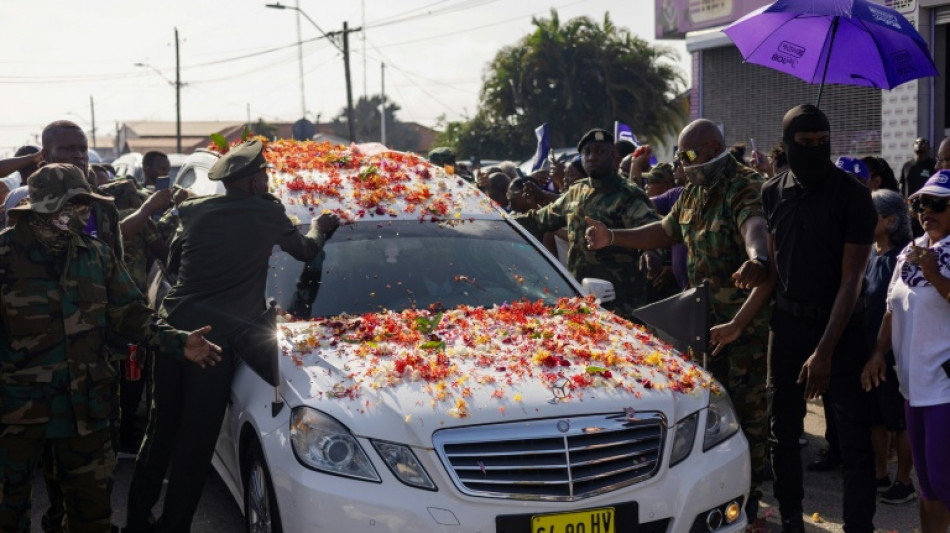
column 590, row 521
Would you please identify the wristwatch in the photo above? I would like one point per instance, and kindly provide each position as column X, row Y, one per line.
column 763, row 259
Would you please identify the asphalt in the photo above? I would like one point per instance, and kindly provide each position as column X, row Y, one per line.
column 217, row 511
column 823, row 492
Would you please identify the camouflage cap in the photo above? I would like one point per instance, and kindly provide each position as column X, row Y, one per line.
column 595, row 135
column 55, row 184
column 241, row 161
column 441, row 156
column 660, row 173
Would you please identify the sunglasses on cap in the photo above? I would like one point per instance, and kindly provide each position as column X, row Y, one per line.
column 936, row 205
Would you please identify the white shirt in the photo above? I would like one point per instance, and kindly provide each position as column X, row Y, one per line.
column 920, row 332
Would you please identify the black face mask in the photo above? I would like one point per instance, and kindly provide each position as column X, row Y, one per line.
column 809, row 164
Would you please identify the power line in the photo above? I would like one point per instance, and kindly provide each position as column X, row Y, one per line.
column 438, row 12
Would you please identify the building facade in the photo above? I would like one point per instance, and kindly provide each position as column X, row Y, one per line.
column 749, row 100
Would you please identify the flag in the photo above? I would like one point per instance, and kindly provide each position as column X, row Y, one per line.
column 682, row 319
column 544, row 146
column 622, row 132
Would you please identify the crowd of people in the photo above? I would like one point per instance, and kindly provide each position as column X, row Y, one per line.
column 828, row 279
column 812, row 268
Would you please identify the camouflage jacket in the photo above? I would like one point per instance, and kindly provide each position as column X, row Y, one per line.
column 618, row 204
column 708, row 221
column 107, row 219
column 137, row 254
column 55, row 315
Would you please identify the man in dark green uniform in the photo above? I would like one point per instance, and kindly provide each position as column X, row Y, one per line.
column 604, row 195
column 220, row 258
column 61, row 293
column 719, row 219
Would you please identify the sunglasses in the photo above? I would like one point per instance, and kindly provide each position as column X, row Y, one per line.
column 936, row 205
column 688, row 156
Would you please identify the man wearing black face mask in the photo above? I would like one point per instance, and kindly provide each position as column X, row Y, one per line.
column 219, row 256
column 821, row 226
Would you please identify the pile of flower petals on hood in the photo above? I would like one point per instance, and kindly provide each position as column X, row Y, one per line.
column 504, row 347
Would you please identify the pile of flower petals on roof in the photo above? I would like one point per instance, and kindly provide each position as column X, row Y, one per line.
column 503, row 347
column 312, row 177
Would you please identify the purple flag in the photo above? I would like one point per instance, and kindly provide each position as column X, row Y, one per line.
column 622, row 132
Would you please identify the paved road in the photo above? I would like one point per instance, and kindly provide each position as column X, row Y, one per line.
column 217, row 511
column 823, row 492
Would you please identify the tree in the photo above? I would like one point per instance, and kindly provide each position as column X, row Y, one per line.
column 575, row 76
column 263, row 128
column 366, row 118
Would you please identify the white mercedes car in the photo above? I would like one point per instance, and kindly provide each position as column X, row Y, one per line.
column 440, row 371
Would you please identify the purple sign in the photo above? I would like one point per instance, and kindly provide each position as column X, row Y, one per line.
column 676, row 17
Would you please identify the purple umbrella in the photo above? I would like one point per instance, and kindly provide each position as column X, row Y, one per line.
column 850, row 42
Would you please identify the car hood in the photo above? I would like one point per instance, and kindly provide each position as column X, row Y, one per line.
column 402, row 376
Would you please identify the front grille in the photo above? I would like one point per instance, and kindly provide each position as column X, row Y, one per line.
column 553, row 459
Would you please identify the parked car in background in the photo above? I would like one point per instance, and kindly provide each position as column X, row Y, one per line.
column 440, row 371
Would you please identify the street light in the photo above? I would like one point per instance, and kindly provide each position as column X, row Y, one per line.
column 177, row 85
column 345, row 49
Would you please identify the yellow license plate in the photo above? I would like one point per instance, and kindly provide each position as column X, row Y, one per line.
column 590, row 521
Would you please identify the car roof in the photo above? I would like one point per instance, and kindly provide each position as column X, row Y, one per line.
column 369, row 182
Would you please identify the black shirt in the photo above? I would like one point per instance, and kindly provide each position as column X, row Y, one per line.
column 810, row 228
column 915, row 173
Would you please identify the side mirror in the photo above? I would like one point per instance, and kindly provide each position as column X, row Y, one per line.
column 602, row 289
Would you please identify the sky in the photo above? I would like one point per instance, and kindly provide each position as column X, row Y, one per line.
column 239, row 58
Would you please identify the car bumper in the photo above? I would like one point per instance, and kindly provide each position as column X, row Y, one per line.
column 668, row 502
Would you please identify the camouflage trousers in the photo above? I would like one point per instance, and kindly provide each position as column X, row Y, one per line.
column 742, row 368
column 83, row 464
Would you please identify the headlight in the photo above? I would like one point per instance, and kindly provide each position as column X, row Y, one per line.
column 683, row 437
column 404, row 465
column 721, row 420
column 324, row 444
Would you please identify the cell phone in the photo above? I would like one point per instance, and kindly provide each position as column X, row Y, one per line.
column 162, row 182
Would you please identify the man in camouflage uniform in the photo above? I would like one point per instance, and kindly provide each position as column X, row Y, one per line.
column 719, row 219
column 604, row 195
column 61, row 292
column 65, row 142
column 141, row 249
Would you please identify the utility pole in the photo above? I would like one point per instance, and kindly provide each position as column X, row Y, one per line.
column 303, row 100
column 349, row 84
column 177, row 95
column 363, row 37
column 382, row 114
column 92, row 110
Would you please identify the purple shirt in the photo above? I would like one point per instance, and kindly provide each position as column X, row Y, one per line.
column 664, row 203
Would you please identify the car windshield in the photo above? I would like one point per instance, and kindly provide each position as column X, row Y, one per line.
column 371, row 266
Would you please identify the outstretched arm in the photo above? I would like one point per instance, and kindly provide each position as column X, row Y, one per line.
column 646, row 237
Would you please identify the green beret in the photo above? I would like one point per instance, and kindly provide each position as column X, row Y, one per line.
column 442, row 156
column 241, row 161
column 595, row 135
column 53, row 185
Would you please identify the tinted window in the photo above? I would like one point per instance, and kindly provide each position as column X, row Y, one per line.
column 370, row 266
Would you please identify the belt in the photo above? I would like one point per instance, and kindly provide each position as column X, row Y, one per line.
column 815, row 311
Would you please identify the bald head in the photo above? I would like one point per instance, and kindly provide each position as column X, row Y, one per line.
column 699, row 133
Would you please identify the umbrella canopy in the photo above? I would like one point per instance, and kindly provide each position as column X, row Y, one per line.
column 849, row 42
